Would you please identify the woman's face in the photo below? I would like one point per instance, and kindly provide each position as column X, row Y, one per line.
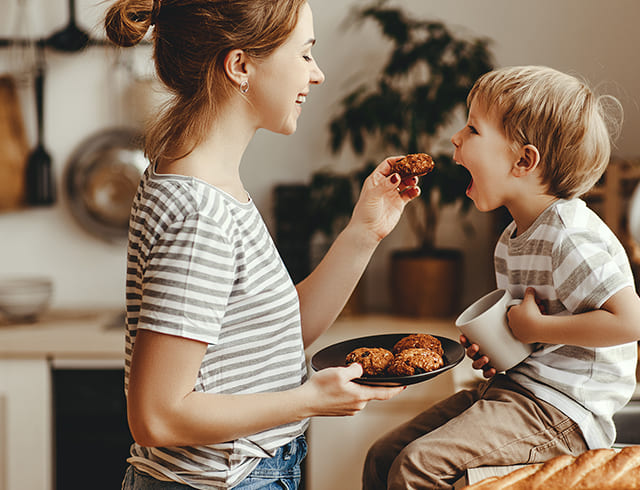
column 281, row 82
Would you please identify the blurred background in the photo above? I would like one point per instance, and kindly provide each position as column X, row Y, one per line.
column 100, row 87
column 68, row 176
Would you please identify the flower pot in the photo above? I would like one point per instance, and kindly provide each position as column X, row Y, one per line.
column 426, row 284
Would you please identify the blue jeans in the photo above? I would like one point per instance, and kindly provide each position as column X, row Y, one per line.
column 282, row 472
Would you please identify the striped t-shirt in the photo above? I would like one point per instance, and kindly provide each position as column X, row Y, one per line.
column 202, row 265
column 575, row 264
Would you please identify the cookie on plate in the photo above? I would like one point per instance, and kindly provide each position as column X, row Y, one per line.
column 414, row 361
column 418, row 341
column 374, row 360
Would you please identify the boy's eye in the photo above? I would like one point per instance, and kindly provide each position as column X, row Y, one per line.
column 472, row 129
column 306, row 57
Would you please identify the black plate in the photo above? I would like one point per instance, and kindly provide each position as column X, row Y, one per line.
column 334, row 355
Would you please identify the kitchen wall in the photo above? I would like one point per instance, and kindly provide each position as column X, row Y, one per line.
column 104, row 87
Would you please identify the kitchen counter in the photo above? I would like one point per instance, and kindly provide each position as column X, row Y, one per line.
column 63, row 339
column 70, row 334
column 99, row 334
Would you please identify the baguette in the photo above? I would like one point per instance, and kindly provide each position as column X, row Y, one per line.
column 625, row 463
column 506, row 481
column 597, row 469
column 548, row 469
column 569, row 476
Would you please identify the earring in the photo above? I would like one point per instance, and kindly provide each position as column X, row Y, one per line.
column 244, row 87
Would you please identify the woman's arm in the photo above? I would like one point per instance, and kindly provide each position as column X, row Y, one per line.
column 163, row 409
column 616, row 322
column 325, row 291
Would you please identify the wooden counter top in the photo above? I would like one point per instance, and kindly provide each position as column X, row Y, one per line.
column 99, row 334
column 74, row 334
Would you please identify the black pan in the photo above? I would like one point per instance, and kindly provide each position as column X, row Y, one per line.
column 334, row 355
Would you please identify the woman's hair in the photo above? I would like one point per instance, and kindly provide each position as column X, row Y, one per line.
column 571, row 127
column 191, row 39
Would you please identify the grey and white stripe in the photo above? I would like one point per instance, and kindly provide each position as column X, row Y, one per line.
column 202, row 265
column 575, row 264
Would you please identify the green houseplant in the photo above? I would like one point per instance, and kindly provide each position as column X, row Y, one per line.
column 420, row 89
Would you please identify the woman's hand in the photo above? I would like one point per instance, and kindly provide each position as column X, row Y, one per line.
column 479, row 361
column 382, row 200
column 331, row 392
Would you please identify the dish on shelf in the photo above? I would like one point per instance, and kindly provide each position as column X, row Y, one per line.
column 24, row 299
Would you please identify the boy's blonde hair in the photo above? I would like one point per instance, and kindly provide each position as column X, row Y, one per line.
column 559, row 115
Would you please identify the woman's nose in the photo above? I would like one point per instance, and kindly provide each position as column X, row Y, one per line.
column 317, row 77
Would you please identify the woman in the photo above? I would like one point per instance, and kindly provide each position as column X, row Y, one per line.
column 215, row 373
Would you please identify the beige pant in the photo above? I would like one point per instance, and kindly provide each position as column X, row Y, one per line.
column 499, row 423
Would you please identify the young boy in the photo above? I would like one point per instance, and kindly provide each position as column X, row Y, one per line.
column 535, row 140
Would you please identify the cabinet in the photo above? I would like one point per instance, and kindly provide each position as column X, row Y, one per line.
column 25, row 426
column 91, row 433
column 3, row 440
column 50, row 412
column 610, row 199
column 29, row 355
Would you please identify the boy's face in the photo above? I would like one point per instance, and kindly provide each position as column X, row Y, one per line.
column 484, row 150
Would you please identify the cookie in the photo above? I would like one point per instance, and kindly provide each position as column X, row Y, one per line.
column 414, row 361
column 374, row 360
column 414, row 164
column 418, row 341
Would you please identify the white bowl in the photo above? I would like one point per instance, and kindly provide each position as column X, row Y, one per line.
column 24, row 299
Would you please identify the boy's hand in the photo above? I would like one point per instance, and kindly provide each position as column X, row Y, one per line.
column 525, row 317
column 479, row 361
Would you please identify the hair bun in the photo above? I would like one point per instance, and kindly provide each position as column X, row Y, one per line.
column 127, row 21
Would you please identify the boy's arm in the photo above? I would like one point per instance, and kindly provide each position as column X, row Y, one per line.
column 616, row 322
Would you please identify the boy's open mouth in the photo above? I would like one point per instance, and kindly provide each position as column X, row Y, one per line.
column 470, row 184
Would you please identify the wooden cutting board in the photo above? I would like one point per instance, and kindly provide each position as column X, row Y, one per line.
column 14, row 147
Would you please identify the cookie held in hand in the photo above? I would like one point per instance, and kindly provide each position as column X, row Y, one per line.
column 412, row 165
column 374, row 360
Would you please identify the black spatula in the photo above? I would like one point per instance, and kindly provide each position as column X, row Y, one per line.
column 40, row 181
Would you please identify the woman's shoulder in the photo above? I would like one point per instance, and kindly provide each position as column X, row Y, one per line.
column 167, row 201
column 186, row 195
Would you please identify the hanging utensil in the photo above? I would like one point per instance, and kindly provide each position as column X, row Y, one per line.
column 40, row 181
column 101, row 180
column 15, row 147
column 22, row 55
column 71, row 38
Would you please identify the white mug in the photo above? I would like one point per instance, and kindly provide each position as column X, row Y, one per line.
column 485, row 323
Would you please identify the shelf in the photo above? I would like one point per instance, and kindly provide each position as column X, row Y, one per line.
column 44, row 43
column 610, row 198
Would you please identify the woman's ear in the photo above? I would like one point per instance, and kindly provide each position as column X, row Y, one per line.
column 528, row 160
column 235, row 65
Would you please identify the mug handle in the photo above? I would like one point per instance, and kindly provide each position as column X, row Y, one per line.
column 513, row 302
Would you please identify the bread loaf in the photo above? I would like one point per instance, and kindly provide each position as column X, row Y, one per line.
column 597, row 469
